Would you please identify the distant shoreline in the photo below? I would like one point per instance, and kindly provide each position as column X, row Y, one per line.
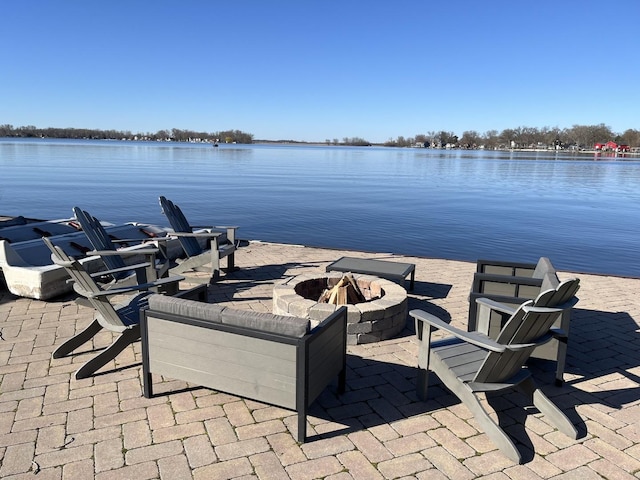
column 324, row 144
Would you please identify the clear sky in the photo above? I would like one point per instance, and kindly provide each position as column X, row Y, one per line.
column 316, row 70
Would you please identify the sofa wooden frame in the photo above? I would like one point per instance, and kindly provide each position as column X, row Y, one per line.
column 276, row 369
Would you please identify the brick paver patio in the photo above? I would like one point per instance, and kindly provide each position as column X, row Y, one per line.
column 102, row 427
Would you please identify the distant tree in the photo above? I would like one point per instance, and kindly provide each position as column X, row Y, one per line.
column 231, row 136
column 551, row 136
column 507, row 136
column 6, row 130
column 27, row 131
column 356, row 142
column 490, row 139
column 631, row 137
column 162, row 135
column 529, row 136
column 447, row 138
column 175, row 134
column 420, row 138
column 586, row 136
column 470, row 139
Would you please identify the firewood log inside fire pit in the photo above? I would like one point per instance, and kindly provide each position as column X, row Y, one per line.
column 346, row 291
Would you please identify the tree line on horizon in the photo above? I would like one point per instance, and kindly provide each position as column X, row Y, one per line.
column 174, row 135
column 579, row 136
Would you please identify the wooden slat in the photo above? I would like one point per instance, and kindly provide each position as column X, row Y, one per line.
column 173, row 332
column 498, row 288
column 249, row 367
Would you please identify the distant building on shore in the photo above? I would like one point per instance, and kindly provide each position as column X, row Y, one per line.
column 611, row 147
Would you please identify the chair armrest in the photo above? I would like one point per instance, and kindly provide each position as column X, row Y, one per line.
column 522, row 346
column 226, row 227
column 128, row 268
column 128, row 289
column 496, row 306
column 504, row 299
column 480, row 339
column 131, row 240
column 161, row 239
column 196, row 235
column 124, row 253
column 474, row 338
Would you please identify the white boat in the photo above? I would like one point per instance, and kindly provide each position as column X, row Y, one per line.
column 30, row 229
column 29, row 272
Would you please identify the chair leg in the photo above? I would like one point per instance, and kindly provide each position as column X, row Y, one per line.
column 163, row 269
column 549, row 409
column 125, row 339
column 231, row 262
column 423, row 332
column 215, row 262
column 74, row 342
column 561, row 360
column 422, row 384
column 491, row 428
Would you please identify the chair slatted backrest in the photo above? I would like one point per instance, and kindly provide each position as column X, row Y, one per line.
column 85, row 286
column 179, row 223
column 564, row 292
column 100, row 240
column 527, row 325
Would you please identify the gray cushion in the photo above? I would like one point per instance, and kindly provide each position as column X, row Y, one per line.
column 289, row 326
column 185, row 308
column 543, row 267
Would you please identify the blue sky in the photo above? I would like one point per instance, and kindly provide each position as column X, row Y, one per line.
column 316, row 70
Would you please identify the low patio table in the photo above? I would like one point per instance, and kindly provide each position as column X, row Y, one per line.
column 395, row 271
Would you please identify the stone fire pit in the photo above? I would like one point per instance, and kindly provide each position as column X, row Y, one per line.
column 382, row 316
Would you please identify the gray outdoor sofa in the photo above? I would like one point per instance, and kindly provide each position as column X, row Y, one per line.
column 279, row 360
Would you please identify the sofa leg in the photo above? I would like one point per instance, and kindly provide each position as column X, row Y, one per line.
column 302, row 426
column 342, row 381
column 147, row 386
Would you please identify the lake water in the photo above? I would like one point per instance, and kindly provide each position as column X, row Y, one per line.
column 581, row 211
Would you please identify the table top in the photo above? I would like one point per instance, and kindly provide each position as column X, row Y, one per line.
column 367, row 265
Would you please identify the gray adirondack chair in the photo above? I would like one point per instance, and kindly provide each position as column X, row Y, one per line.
column 552, row 293
column 123, row 319
column 469, row 363
column 105, row 247
column 221, row 242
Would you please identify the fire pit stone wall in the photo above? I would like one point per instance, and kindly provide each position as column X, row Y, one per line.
column 380, row 318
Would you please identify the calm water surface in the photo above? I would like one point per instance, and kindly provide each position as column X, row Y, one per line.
column 582, row 212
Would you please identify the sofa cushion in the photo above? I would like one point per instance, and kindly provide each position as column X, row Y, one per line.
column 543, row 267
column 185, row 308
column 266, row 322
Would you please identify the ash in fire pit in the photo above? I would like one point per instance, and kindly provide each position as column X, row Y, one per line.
column 380, row 314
